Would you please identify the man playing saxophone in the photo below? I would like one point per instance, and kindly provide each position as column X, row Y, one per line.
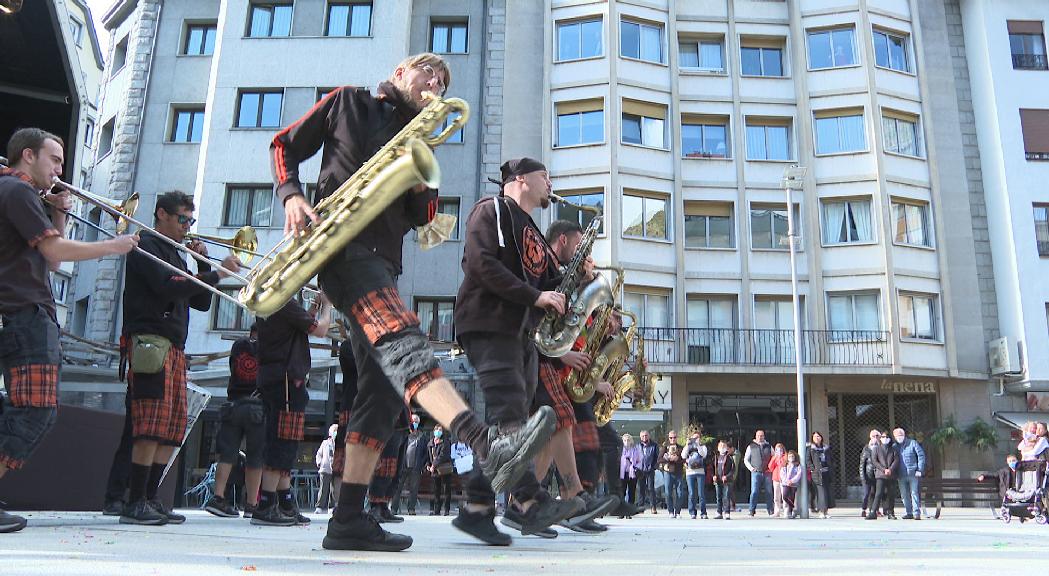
column 394, row 360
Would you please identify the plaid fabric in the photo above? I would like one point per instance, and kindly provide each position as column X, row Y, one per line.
column 291, row 425
column 555, row 396
column 382, row 312
column 33, row 385
column 584, row 437
column 162, row 419
column 10, row 463
column 357, row 438
column 419, row 382
column 386, row 468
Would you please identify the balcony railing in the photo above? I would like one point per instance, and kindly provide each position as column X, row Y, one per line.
column 716, row 346
column 1030, row 62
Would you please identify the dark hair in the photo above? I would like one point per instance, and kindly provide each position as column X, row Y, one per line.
column 28, row 139
column 559, row 228
column 815, row 432
column 172, row 201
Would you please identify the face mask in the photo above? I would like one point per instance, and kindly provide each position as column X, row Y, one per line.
column 722, row 450
column 438, row 433
column 899, row 439
column 885, row 441
column 779, row 450
column 1013, row 464
column 415, row 425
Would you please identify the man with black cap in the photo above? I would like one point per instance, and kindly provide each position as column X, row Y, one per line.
column 352, row 125
column 510, row 277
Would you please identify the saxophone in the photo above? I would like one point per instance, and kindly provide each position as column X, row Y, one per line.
column 580, row 384
column 556, row 333
column 404, row 162
column 616, row 351
column 644, row 396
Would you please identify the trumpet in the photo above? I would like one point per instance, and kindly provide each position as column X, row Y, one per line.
column 244, row 244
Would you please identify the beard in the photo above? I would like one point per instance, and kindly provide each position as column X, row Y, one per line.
column 544, row 202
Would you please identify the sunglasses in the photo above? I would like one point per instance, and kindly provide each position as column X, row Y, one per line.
column 186, row 220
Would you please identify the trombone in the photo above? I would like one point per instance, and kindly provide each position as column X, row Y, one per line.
column 117, row 213
column 244, row 244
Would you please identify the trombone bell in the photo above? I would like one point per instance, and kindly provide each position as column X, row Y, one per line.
column 244, row 244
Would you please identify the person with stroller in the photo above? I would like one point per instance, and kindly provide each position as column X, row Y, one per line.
column 1005, row 476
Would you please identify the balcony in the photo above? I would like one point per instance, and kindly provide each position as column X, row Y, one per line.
column 733, row 347
column 1030, row 62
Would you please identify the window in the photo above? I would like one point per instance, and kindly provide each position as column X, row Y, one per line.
column 774, row 313
column 572, row 214
column 76, row 29
column 652, row 309
column 450, row 206
column 645, row 217
column 704, row 137
column 846, row 222
column 435, row 317
column 708, row 225
column 1027, row 44
column 228, row 316
column 890, row 51
column 119, row 56
column 352, row 19
column 831, row 48
column 1035, row 127
column 768, row 226
column 918, row 316
column 259, row 109
column 456, row 137
column 91, row 232
column 270, row 20
column 852, row 312
column 105, row 141
column 912, row 223
column 711, row 314
column 901, row 134
column 579, row 39
column 768, row 139
column 839, row 132
column 701, row 55
column 187, row 125
column 580, row 122
column 59, row 285
column 89, row 133
column 641, row 41
column 83, row 179
column 252, row 206
column 644, row 124
column 200, row 40
column 761, row 57
column 1041, row 228
column 448, row 37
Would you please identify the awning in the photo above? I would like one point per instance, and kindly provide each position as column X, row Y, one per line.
column 1018, row 419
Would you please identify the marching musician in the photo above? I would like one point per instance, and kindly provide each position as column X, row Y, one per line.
column 156, row 319
column 284, row 368
column 510, row 279
column 31, row 244
column 352, row 124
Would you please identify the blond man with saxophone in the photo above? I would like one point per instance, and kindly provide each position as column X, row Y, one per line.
column 394, row 360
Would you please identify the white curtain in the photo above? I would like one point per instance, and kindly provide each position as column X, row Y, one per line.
column 237, row 208
column 908, row 135
column 850, row 129
column 653, row 132
column 756, row 143
column 840, row 313
column 916, row 225
column 710, row 56
column 834, row 231
column 866, row 306
column 860, row 210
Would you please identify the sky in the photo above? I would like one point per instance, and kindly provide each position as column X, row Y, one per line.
column 98, row 8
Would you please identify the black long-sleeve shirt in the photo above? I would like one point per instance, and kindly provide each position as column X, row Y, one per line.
column 156, row 299
column 352, row 125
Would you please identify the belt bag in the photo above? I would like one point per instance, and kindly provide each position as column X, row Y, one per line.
column 148, row 352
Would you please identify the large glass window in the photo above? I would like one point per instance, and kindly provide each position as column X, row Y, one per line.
column 890, row 51
column 768, row 226
column 641, row 41
column 582, row 217
column 580, row 122
column 832, row 48
column 228, row 316
column 349, row 19
column 1027, row 44
column 912, row 223
column 644, row 130
column 847, row 221
column 259, row 109
column 918, row 316
column 708, row 225
column 851, row 312
column 645, row 217
column 652, row 310
column 187, row 125
column 436, row 318
column 705, row 139
column 761, row 61
column 839, row 134
column 579, row 39
column 448, row 37
column 200, row 39
column 270, row 20
column 701, row 55
column 252, row 206
column 902, row 135
column 769, row 141
column 1041, row 228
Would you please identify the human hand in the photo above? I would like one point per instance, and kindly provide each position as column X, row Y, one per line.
column 61, row 200
column 198, row 247
column 296, row 211
column 551, row 301
column 576, row 360
column 123, row 244
column 229, row 264
column 603, row 388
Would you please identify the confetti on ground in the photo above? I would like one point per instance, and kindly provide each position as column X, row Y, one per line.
column 249, row 568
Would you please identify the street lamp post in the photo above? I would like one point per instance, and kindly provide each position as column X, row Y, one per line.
column 794, row 179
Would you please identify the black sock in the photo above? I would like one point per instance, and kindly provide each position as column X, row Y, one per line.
column 470, row 429
column 139, row 479
column 351, row 501
column 285, row 500
column 155, row 472
column 266, row 500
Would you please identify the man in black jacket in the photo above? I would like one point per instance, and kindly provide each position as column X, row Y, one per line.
column 156, row 319
column 1005, row 477
column 510, row 274
column 867, row 479
column 646, row 472
column 413, row 465
column 886, row 465
column 352, row 125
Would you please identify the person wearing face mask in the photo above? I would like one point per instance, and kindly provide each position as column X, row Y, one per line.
column 695, row 455
column 439, row 465
column 724, row 477
column 886, row 465
column 912, row 466
column 790, row 477
column 776, row 463
column 1005, row 476
column 820, row 465
column 415, row 454
column 867, row 473
column 1032, row 446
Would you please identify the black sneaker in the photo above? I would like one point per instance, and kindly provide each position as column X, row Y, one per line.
column 588, row 527
column 548, row 533
column 10, row 522
column 626, row 510
column 113, row 507
column 271, row 516
column 510, row 455
column 383, row 515
column 481, row 525
column 593, row 507
column 293, row 512
column 363, row 533
column 142, row 513
column 908, row 516
column 221, row 507
column 249, row 510
column 548, row 511
column 171, row 516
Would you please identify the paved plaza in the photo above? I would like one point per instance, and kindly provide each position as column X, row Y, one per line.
column 964, row 542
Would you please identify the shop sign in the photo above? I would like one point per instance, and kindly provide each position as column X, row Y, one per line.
column 909, row 386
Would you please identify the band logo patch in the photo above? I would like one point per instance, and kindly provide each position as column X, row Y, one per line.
column 533, row 254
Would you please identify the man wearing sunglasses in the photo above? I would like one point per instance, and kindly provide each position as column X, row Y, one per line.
column 395, row 362
column 152, row 344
